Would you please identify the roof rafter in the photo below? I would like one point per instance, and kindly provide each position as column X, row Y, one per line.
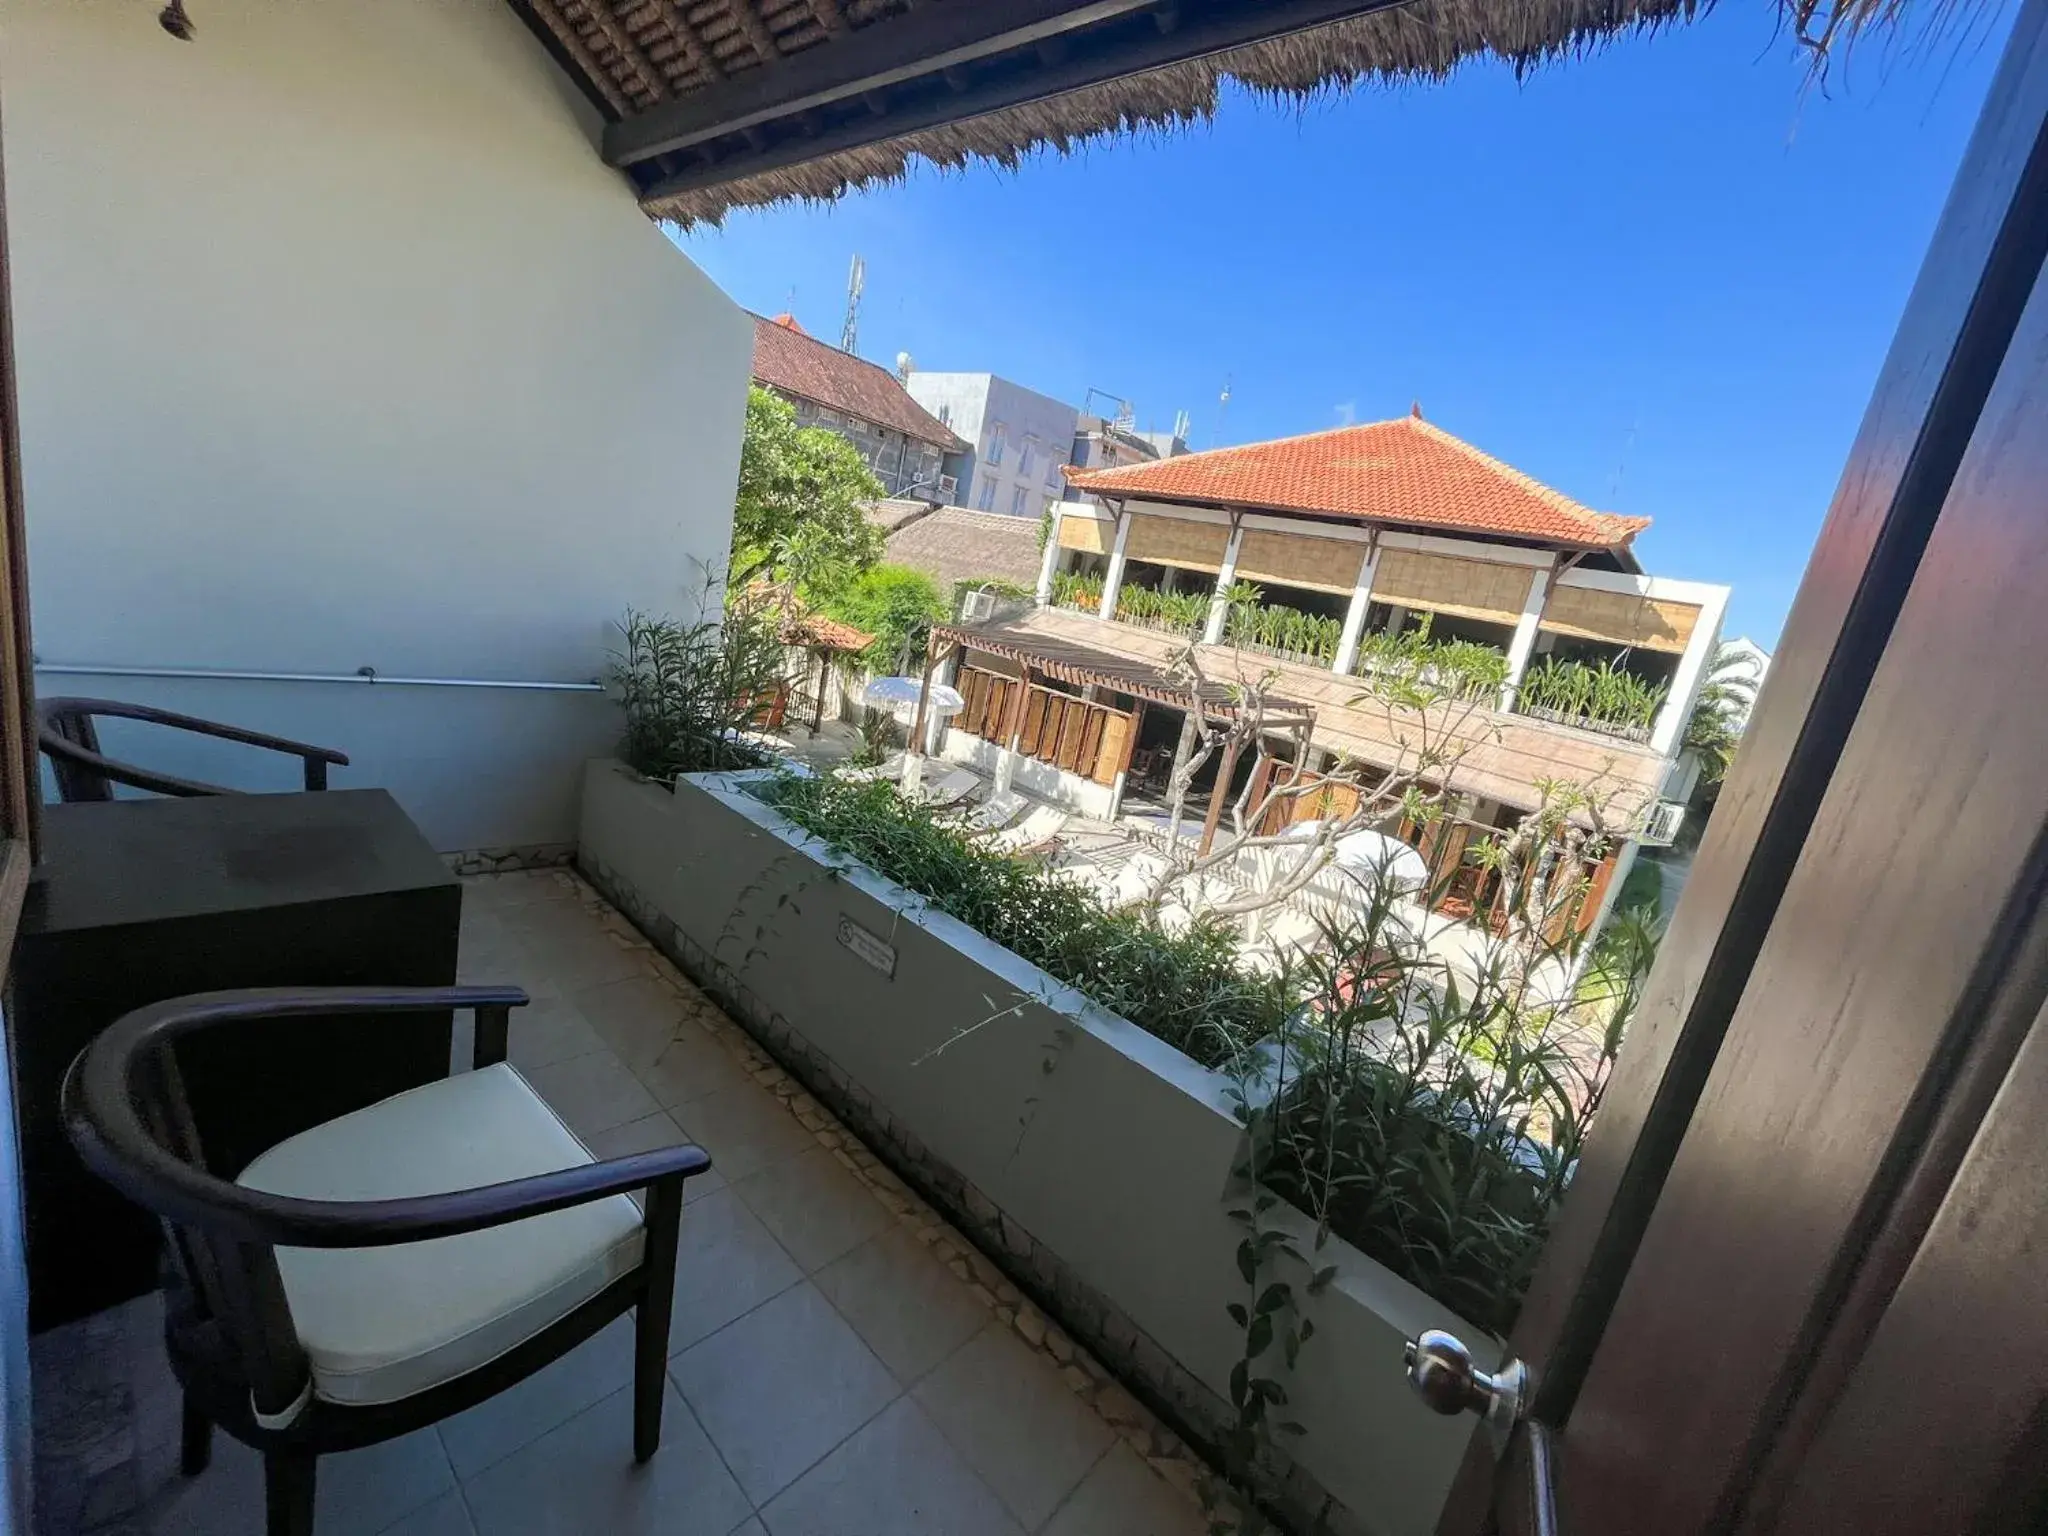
column 755, row 31
column 690, row 40
column 572, row 42
column 617, row 34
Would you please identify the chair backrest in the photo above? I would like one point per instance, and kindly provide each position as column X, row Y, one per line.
column 70, row 740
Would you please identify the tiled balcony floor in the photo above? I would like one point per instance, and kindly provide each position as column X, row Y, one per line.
column 831, row 1374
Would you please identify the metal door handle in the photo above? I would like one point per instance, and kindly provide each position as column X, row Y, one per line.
column 1440, row 1369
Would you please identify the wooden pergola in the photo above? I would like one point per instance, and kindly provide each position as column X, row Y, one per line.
column 1085, row 666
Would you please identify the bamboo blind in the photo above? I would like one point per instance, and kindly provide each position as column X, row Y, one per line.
column 1177, row 542
column 1322, row 565
column 1467, row 589
column 1651, row 623
column 1087, row 535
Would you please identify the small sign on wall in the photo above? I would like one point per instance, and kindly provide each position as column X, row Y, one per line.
column 870, row 948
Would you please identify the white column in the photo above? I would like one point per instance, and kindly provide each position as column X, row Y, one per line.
column 1049, row 563
column 1691, row 673
column 1219, row 605
column 1354, row 616
column 936, row 725
column 1113, row 581
column 1524, row 642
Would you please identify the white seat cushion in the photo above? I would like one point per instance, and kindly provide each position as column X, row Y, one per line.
column 380, row 1324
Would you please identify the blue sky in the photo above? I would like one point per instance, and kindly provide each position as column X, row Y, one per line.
column 1661, row 279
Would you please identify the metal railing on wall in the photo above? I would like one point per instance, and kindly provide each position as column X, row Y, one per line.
column 363, row 675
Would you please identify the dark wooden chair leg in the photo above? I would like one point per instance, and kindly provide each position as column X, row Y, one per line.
column 650, row 1321
column 288, row 1493
column 195, row 1441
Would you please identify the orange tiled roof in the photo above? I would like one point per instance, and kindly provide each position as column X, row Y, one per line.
column 821, row 633
column 1405, row 472
column 788, row 359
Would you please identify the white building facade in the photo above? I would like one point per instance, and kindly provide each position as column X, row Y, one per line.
column 1018, row 440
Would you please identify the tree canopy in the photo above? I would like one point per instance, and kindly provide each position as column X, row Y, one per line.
column 799, row 516
column 895, row 604
column 1721, row 713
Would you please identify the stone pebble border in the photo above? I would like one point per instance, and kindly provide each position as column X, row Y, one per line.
column 1164, row 1451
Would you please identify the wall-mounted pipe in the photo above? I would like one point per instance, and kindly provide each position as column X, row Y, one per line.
column 360, row 675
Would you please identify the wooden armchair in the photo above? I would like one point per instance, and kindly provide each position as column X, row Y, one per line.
column 387, row 1269
column 69, row 739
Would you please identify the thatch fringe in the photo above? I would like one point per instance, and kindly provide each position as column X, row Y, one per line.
column 1425, row 40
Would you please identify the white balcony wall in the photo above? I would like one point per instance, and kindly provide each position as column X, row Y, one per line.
column 339, row 347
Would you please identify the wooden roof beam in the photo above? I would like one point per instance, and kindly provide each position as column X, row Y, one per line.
column 874, row 58
column 902, row 61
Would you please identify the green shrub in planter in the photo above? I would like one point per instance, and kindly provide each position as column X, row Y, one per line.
column 1428, row 1118
column 691, row 690
column 1186, row 988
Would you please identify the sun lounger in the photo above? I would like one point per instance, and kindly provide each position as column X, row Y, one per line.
column 951, row 788
column 996, row 812
column 1038, row 829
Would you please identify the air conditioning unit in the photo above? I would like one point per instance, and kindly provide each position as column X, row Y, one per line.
column 978, row 606
column 1665, row 819
column 949, row 487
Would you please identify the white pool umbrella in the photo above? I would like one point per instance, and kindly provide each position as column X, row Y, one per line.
column 900, row 693
column 1383, row 858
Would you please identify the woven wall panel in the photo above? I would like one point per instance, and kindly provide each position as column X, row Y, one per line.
column 1653, row 624
column 1087, row 535
column 1174, row 541
column 1322, row 565
column 1468, row 589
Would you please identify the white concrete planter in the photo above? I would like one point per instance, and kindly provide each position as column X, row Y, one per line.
column 1108, row 1147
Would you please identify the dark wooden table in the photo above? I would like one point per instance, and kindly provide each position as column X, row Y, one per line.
column 140, row 900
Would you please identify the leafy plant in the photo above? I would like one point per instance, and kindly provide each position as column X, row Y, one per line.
column 1721, row 712
column 1073, row 589
column 897, row 605
column 691, row 691
column 1186, row 988
column 1434, row 1119
column 1180, row 612
column 1606, row 697
column 1459, row 669
column 1282, row 630
column 800, row 510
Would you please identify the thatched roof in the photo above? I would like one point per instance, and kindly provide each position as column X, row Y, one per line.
column 719, row 103
column 954, row 544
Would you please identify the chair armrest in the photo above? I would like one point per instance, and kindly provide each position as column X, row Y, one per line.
column 121, row 709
